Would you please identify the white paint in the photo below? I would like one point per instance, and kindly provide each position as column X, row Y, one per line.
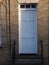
column 27, row 31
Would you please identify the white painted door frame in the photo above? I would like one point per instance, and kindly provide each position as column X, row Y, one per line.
column 20, row 9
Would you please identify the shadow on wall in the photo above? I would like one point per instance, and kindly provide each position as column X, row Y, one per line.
column 4, row 57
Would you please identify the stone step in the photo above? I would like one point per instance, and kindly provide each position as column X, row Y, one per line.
column 27, row 61
column 26, row 64
column 27, row 56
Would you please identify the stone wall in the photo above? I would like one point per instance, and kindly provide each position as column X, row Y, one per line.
column 14, row 23
column 43, row 26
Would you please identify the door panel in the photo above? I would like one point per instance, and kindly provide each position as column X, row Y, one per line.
column 28, row 32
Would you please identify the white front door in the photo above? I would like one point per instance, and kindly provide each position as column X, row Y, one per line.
column 28, row 31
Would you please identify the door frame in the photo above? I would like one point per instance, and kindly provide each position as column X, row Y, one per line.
column 19, row 18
